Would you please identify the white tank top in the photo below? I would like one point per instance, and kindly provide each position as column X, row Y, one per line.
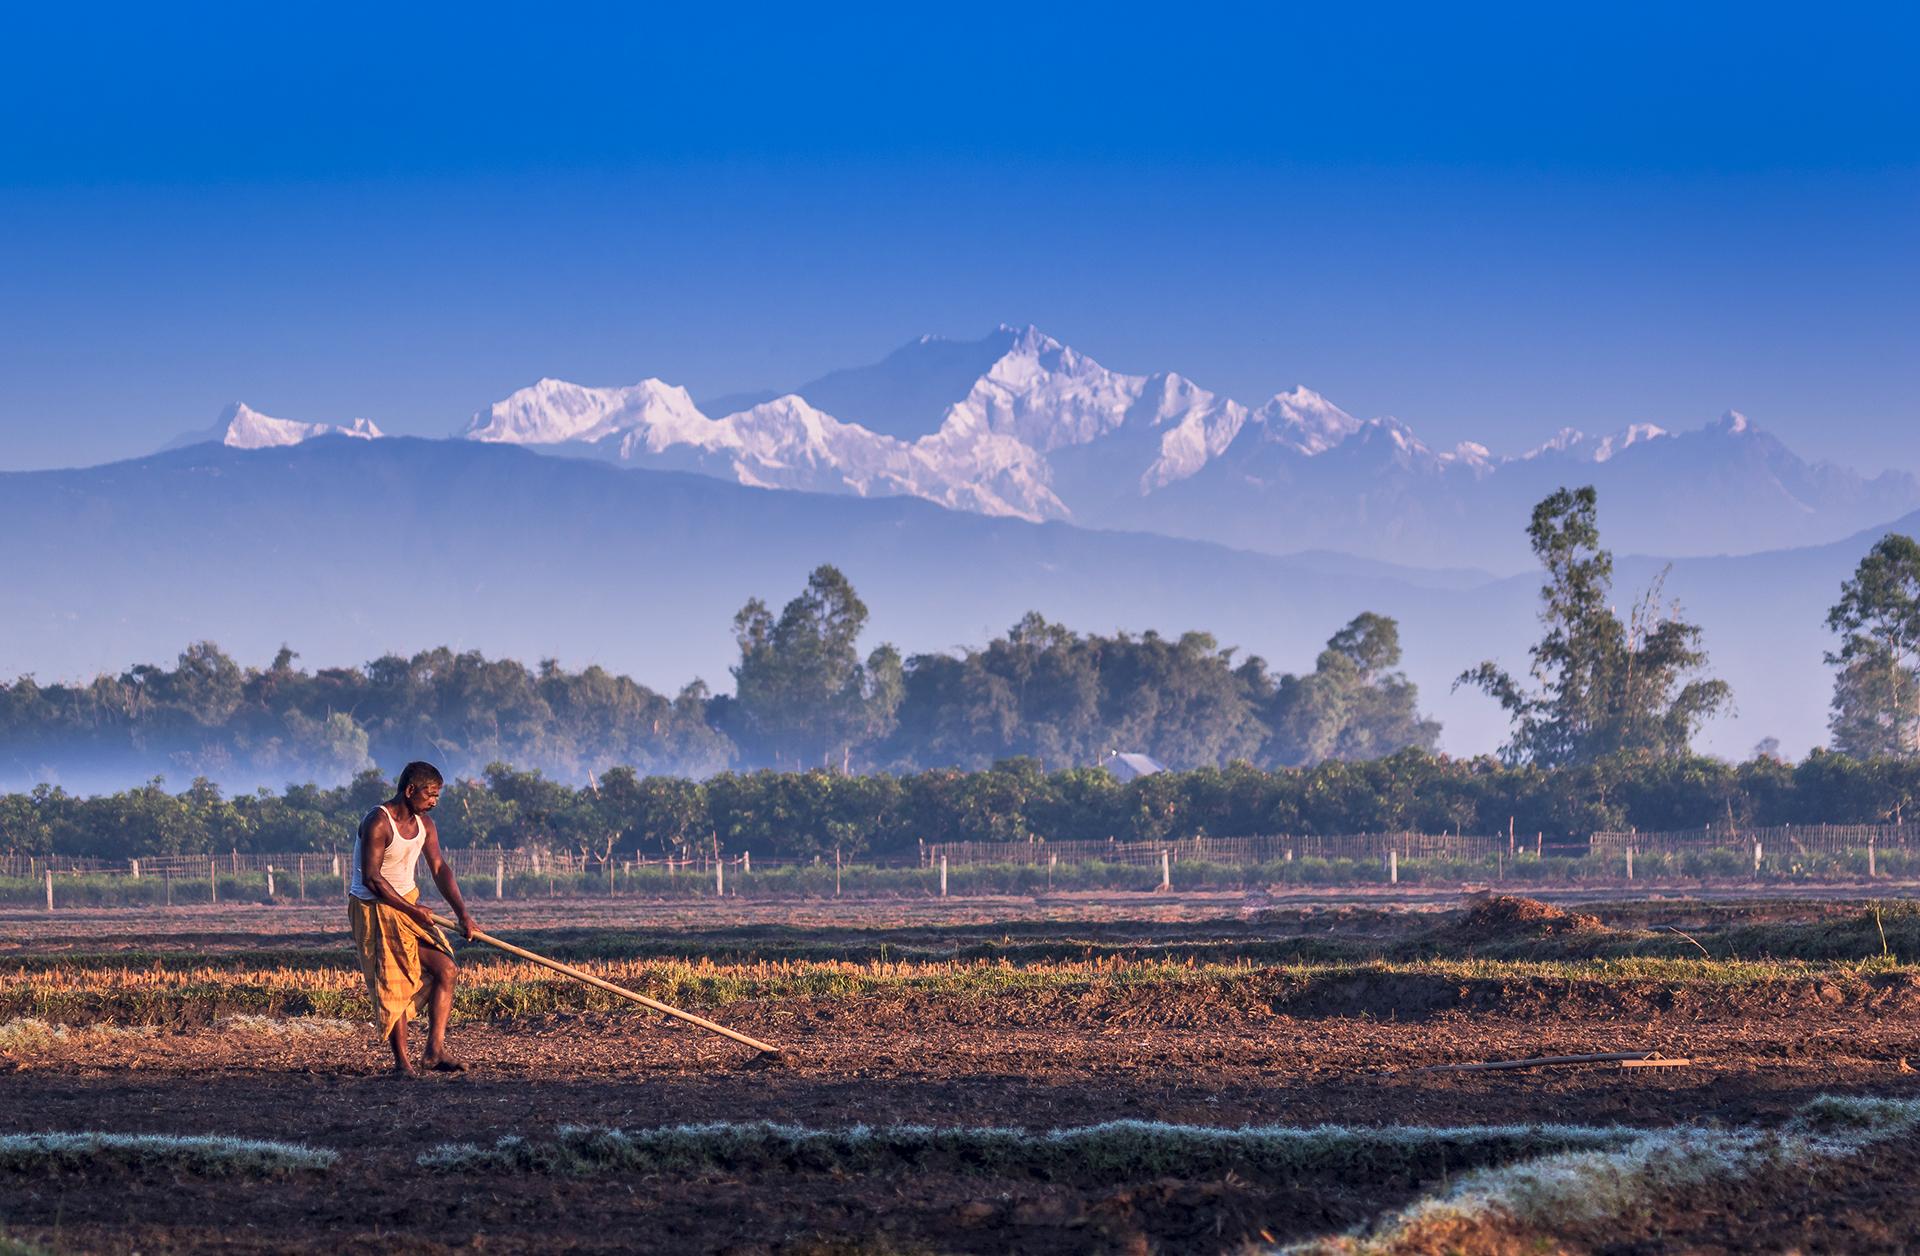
column 396, row 867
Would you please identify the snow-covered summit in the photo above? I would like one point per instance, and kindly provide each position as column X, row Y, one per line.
column 554, row 411
column 240, row 426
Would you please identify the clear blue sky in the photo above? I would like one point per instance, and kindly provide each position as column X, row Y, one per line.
column 1491, row 223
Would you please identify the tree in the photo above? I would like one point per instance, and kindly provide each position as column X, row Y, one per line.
column 1604, row 687
column 1352, row 706
column 1876, row 696
column 803, row 694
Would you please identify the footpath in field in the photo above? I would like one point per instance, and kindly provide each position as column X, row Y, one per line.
column 964, row 1017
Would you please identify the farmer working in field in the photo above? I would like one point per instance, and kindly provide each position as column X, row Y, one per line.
column 407, row 960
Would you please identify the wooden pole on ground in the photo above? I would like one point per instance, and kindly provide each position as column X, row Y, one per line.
column 1393, row 867
column 500, row 875
column 836, row 872
column 213, row 881
column 1870, row 869
column 1629, row 863
column 719, row 878
column 1166, row 871
column 1756, row 858
column 136, row 868
column 943, row 876
column 303, row 878
column 49, row 889
column 269, row 883
column 575, row 973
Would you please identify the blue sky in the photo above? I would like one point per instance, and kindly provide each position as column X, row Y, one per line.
column 1492, row 223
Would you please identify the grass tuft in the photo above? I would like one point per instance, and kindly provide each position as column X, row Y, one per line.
column 1535, row 1200
column 1113, row 1151
column 204, row 1155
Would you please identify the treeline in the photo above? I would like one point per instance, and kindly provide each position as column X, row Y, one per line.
column 805, row 697
column 800, row 815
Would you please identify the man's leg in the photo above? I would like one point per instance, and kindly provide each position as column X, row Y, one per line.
column 437, row 968
column 398, row 1041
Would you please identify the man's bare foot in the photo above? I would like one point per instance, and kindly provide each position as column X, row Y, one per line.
column 444, row 1064
column 404, row 1068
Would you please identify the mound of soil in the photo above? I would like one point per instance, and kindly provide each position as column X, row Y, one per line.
column 1508, row 917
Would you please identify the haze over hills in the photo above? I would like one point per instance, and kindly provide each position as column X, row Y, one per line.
column 486, row 547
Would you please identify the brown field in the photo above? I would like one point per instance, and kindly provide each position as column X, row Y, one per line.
column 1198, row 1011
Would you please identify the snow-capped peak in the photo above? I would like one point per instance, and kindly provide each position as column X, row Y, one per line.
column 553, row 411
column 240, row 426
column 1733, row 423
column 1575, row 443
column 1306, row 420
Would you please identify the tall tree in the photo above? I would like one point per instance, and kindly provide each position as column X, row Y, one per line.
column 1876, row 700
column 1353, row 705
column 1603, row 686
column 804, row 695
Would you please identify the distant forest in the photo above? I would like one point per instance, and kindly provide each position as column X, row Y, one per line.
column 804, row 815
column 805, row 698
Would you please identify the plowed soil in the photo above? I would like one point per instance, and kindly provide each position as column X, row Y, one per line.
column 1354, row 1055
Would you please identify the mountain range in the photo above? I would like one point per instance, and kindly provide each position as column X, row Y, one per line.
column 1019, row 425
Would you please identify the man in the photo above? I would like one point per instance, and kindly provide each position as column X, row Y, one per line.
column 408, row 962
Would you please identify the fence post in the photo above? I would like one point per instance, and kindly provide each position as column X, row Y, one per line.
column 1537, row 844
column 1393, row 867
column 719, row 878
column 136, row 868
column 169, row 880
column 1756, row 857
column 836, row 872
column 943, row 876
column 500, row 875
column 746, row 862
column 336, row 863
column 1871, row 872
column 269, row 883
column 49, row 889
column 1629, row 863
column 303, row 878
column 1166, row 871
column 213, row 881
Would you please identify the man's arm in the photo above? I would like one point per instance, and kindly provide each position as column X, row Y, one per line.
column 375, row 834
column 443, row 877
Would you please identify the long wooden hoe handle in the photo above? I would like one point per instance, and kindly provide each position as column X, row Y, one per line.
column 610, row 988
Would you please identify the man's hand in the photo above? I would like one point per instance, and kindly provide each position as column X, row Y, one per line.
column 423, row 918
column 467, row 926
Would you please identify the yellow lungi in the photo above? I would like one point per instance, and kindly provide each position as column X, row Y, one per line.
column 389, row 945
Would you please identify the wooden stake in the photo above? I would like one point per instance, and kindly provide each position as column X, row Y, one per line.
column 1166, row 871
column 943, row 876
column 1626, row 1059
column 1393, row 867
column 269, row 883
column 303, row 878
column 213, row 881
column 610, row 988
column 500, row 875
column 836, row 872
column 49, row 889
column 719, row 878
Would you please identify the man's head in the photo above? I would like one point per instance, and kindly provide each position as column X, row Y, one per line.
column 420, row 785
